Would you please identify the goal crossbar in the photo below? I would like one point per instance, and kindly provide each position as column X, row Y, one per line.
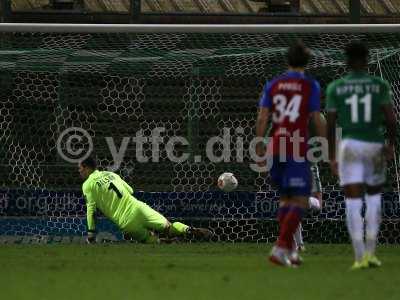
column 199, row 28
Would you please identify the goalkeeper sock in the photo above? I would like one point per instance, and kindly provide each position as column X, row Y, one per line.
column 298, row 237
column 178, row 228
column 355, row 226
column 373, row 220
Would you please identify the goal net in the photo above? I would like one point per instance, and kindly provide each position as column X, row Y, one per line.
column 169, row 112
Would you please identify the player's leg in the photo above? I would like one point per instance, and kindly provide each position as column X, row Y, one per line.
column 135, row 230
column 351, row 174
column 373, row 220
column 293, row 179
column 355, row 225
column 144, row 221
column 297, row 206
column 375, row 178
column 314, row 203
column 315, row 200
column 298, row 239
column 280, row 255
column 153, row 220
column 280, row 252
column 179, row 229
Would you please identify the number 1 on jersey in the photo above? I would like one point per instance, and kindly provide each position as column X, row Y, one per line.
column 353, row 102
column 114, row 188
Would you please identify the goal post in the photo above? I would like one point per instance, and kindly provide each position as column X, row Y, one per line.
column 169, row 108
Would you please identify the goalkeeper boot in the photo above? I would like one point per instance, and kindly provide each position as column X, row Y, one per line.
column 167, row 240
column 373, row 261
column 280, row 257
column 200, row 233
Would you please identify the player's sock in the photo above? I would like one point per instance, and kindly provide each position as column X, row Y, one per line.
column 178, row 228
column 373, row 220
column 298, row 237
column 282, row 212
column 290, row 224
column 293, row 222
column 355, row 226
column 314, row 203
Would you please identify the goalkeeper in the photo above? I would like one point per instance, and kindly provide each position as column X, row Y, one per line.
column 110, row 194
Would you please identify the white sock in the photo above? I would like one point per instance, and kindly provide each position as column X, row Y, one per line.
column 355, row 225
column 314, row 203
column 298, row 237
column 373, row 220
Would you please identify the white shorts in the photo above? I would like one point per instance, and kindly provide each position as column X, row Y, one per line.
column 361, row 162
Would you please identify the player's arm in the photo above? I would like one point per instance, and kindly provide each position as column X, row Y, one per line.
column 319, row 124
column 265, row 105
column 261, row 128
column 90, row 213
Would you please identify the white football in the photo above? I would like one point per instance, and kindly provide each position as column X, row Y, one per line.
column 227, row 182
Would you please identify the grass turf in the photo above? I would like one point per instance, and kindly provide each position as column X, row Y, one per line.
column 189, row 271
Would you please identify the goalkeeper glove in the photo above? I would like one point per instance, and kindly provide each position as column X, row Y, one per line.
column 91, row 237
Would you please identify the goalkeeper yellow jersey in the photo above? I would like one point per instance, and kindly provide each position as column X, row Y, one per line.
column 110, row 194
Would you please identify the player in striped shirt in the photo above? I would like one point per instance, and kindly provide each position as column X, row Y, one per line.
column 315, row 200
column 292, row 99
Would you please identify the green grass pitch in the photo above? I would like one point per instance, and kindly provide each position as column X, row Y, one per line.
column 190, row 271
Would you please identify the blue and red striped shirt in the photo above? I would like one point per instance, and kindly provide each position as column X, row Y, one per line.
column 291, row 97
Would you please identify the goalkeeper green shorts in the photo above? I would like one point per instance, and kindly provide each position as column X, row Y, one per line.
column 144, row 220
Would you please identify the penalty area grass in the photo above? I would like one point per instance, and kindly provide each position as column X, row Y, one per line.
column 190, row 271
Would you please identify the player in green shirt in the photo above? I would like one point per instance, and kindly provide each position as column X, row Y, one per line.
column 361, row 104
column 110, row 194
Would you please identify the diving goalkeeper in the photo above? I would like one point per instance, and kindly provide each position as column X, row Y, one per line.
column 110, row 194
